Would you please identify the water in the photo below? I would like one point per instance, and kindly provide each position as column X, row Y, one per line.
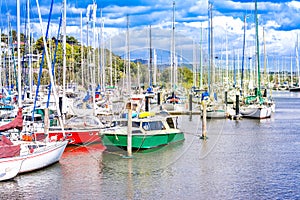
column 245, row 159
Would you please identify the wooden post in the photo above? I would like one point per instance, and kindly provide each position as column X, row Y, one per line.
column 237, row 104
column 158, row 98
column 129, row 129
column 190, row 102
column 147, row 104
column 226, row 101
column 203, row 121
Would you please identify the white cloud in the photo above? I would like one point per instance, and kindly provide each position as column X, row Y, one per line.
column 294, row 4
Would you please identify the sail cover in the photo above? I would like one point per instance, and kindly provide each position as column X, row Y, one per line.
column 16, row 123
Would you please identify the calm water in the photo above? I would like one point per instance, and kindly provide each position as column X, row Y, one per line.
column 245, row 159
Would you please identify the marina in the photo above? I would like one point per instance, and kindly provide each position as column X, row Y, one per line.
column 147, row 109
column 241, row 159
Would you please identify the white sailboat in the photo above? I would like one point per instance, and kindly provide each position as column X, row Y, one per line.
column 215, row 108
column 26, row 156
column 256, row 106
column 296, row 88
column 173, row 102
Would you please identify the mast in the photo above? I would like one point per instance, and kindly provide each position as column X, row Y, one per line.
column 173, row 51
column 257, row 49
column 291, row 65
column 64, row 55
column 226, row 60
column 110, row 63
column 200, row 59
column 50, row 70
column 211, row 53
column 265, row 58
column 29, row 51
column 297, row 63
column 194, row 64
column 243, row 57
column 154, row 66
column 102, row 53
column 19, row 55
column 138, row 76
column 128, row 59
column 150, row 60
column 81, row 37
column 94, row 57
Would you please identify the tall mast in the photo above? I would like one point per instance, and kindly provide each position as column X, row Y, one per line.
column 150, row 59
column 30, row 54
column 226, row 60
column 257, row 49
column 265, row 58
column 81, row 38
column 173, row 71
column 110, row 63
column 64, row 53
column 297, row 63
column 212, row 70
column 200, row 59
column 243, row 56
column 154, row 66
column 128, row 59
column 19, row 55
column 50, row 70
column 194, row 63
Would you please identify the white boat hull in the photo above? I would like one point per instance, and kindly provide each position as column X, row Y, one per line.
column 43, row 156
column 10, row 167
column 256, row 112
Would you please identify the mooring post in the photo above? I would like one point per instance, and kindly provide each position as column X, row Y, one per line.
column 158, row 98
column 129, row 129
column 190, row 102
column 237, row 104
column 226, row 101
column 203, row 120
column 147, row 104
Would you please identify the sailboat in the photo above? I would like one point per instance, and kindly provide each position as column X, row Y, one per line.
column 255, row 105
column 215, row 108
column 27, row 155
column 83, row 127
column 173, row 102
column 296, row 88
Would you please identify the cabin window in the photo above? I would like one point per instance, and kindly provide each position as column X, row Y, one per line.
column 151, row 126
column 136, row 124
column 170, row 122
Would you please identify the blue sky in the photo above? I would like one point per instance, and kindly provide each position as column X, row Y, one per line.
column 280, row 20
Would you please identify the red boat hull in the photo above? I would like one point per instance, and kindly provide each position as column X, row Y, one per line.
column 73, row 136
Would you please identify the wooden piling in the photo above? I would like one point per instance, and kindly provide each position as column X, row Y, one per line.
column 190, row 102
column 158, row 98
column 203, row 121
column 237, row 104
column 129, row 130
column 147, row 104
column 226, row 101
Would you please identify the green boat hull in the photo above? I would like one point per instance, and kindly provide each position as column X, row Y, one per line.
column 142, row 141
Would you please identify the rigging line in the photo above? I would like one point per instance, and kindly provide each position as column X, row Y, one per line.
column 54, row 59
column 42, row 62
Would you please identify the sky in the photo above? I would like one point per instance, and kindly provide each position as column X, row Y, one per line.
column 278, row 27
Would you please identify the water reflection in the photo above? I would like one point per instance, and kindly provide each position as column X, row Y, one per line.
column 241, row 159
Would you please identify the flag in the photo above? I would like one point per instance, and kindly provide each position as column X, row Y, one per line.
column 88, row 12
column 91, row 12
column 94, row 12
